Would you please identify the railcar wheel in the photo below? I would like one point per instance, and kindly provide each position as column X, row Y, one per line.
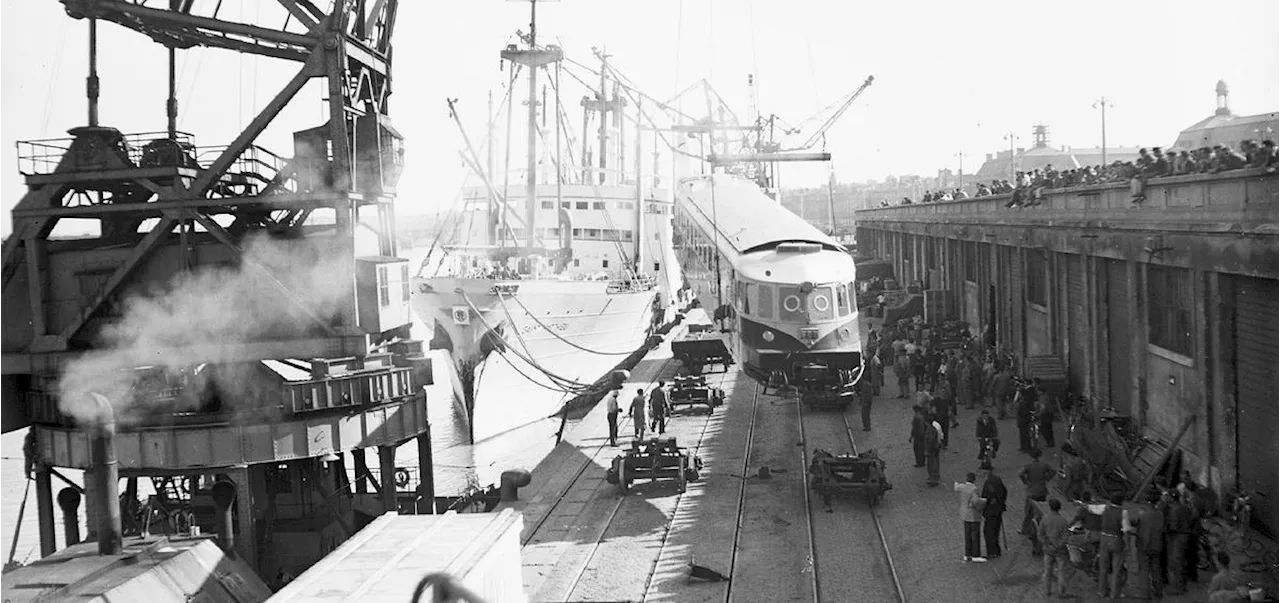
column 622, row 475
column 682, row 480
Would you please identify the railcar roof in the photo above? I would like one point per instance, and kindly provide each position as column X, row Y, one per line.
column 819, row 268
column 747, row 218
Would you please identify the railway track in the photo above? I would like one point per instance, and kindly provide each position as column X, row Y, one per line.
column 617, row 509
column 865, row 569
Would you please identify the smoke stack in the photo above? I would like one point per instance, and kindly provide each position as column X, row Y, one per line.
column 108, row 476
column 224, row 496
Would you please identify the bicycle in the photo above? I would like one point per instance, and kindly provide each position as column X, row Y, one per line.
column 987, row 450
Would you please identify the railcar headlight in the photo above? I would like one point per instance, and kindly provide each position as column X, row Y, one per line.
column 767, row 336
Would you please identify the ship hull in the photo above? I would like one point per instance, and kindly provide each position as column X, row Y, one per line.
column 538, row 341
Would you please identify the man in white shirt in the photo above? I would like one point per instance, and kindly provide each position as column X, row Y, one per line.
column 971, row 515
column 612, row 407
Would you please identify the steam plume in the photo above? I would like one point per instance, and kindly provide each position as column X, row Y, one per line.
column 256, row 301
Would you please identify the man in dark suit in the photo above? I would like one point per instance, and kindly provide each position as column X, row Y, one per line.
column 994, row 490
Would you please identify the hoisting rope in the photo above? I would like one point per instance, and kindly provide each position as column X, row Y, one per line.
column 552, row 332
column 566, row 385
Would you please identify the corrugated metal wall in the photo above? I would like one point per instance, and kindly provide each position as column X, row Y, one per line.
column 1256, row 391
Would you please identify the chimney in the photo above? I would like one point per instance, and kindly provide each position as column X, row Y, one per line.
column 224, row 496
column 103, row 461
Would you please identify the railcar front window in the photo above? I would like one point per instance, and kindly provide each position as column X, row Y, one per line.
column 765, row 308
column 842, row 299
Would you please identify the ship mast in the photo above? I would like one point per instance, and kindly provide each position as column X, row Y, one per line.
column 531, row 178
column 533, row 58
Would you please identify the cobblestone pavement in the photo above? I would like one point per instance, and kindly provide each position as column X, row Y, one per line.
column 923, row 524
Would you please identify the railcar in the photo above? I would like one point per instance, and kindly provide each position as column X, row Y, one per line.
column 785, row 289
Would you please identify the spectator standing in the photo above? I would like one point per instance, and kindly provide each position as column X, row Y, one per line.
column 997, row 496
column 612, row 408
column 1149, row 543
column 932, row 446
column 636, row 412
column 919, row 429
column 1177, row 521
column 971, row 506
column 659, row 409
column 1001, row 387
column 1035, row 475
column 1048, row 411
column 902, row 370
column 1111, row 553
column 940, row 405
column 1052, row 532
column 1028, row 398
column 866, row 393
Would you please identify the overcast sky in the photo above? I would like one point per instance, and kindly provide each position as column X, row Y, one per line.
column 950, row 76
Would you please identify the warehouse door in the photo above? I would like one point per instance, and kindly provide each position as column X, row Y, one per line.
column 1119, row 337
column 1078, row 332
column 1256, row 392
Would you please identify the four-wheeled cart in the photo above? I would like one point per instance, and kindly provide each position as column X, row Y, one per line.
column 834, row 474
column 693, row 390
column 654, row 459
column 697, row 350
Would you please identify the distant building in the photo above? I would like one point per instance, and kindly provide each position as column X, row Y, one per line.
column 1041, row 156
column 1226, row 128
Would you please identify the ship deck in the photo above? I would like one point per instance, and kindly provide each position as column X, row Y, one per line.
column 585, row 541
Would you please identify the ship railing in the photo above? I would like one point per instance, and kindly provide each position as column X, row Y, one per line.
column 354, row 389
column 577, row 175
column 631, row 284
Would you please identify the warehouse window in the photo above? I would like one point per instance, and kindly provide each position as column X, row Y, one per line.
column 1037, row 279
column 1169, row 308
column 548, row 205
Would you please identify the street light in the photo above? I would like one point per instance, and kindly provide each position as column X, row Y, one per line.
column 1011, row 137
column 960, row 177
column 1103, row 103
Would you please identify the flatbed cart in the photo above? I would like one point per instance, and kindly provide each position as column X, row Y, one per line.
column 836, row 474
column 697, row 350
column 822, row 387
column 654, row 459
column 692, row 391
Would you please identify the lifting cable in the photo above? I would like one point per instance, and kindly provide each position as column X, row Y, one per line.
column 559, row 380
column 569, row 385
column 517, row 370
column 557, row 335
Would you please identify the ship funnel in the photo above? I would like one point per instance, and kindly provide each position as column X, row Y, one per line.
column 105, row 470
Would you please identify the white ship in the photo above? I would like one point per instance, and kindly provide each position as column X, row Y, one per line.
column 558, row 270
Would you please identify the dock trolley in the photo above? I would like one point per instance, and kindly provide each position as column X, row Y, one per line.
column 693, row 390
column 835, row 474
column 822, row 387
column 697, row 350
column 654, row 459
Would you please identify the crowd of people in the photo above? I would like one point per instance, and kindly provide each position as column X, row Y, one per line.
column 1163, row 531
column 1027, row 187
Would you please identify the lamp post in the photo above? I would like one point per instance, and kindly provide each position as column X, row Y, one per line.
column 1012, row 138
column 960, row 176
column 1103, row 103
